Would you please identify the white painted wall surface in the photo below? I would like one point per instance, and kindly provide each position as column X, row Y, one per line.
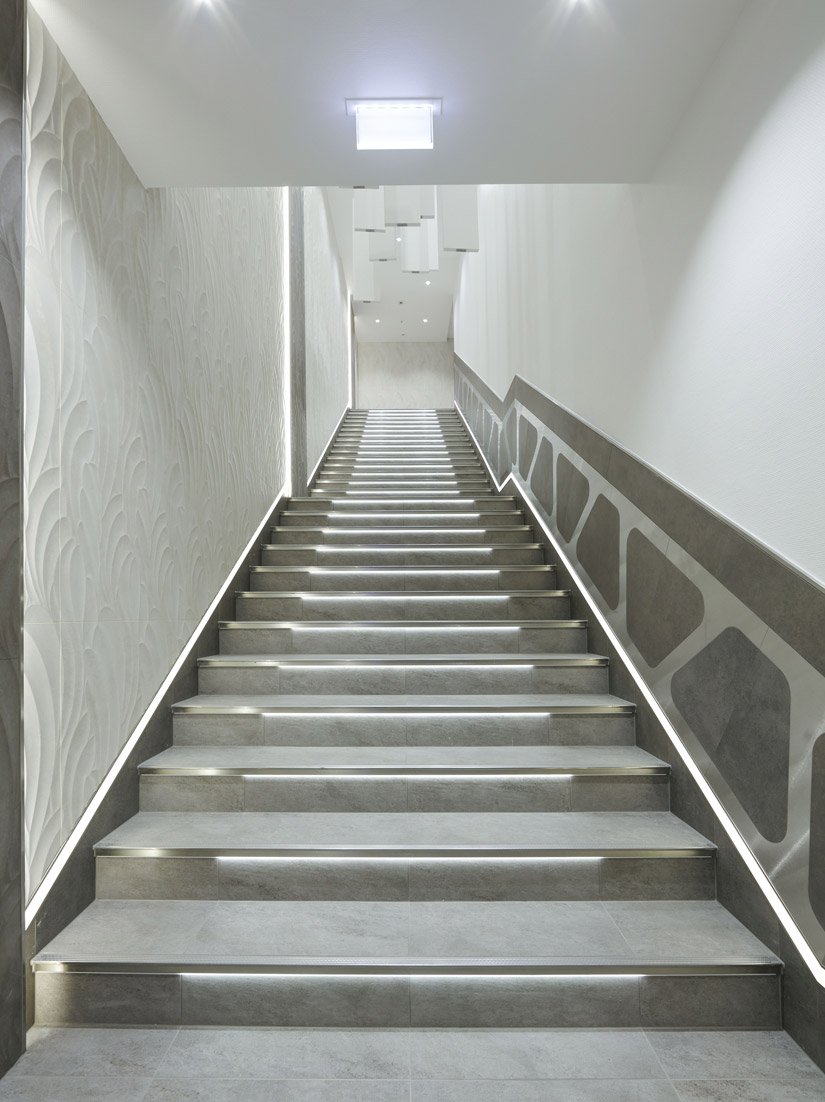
column 686, row 318
column 154, row 431
column 327, row 326
column 412, row 375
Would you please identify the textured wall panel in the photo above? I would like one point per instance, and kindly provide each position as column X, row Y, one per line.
column 396, row 375
column 154, row 436
column 597, row 548
column 327, row 327
column 663, row 606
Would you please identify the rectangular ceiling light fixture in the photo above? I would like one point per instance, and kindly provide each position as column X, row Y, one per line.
column 393, row 124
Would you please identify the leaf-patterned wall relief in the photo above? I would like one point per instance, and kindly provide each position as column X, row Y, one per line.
column 154, row 430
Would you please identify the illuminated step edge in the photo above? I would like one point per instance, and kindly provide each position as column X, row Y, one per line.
column 555, row 704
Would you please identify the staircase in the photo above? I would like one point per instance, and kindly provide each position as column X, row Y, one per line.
column 404, row 795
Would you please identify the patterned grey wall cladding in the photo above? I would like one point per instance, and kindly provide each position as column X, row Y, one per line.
column 12, row 1017
column 154, row 435
column 597, row 548
column 816, row 861
column 527, row 440
column 541, row 481
column 663, row 606
column 572, row 491
column 687, row 594
column 738, row 704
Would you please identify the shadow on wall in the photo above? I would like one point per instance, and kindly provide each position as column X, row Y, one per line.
column 415, row 375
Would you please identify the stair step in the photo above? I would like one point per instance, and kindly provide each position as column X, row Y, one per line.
column 401, row 779
column 410, row 536
column 539, row 604
column 423, row 637
column 507, row 554
column 381, row 518
column 427, row 503
column 426, row 579
column 410, row 674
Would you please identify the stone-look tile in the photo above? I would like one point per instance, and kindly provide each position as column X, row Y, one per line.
column 737, row 890
column 526, row 879
column 524, row 1002
column 527, row 440
column 657, row 878
column 59, row 1089
column 522, row 1054
column 104, row 1053
column 382, row 1002
column 247, row 1054
column 510, row 432
column 733, row 1055
column 663, row 606
column 541, row 482
column 156, row 878
column 710, row 1002
column 816, row 857
column 321, row 880
column 572, row 490
column 88, row 998
column 273, row 1090
column 737, row 703
column 597, row 548
column 749, row 1090
column 164, row 793
column 620, row 793
column 591, row 1090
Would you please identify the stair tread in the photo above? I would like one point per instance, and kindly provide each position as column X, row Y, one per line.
column 581, row 934
column 452, row 659
column 366, row 758
column 471, row 702
column 238, row 832
column 403, row 625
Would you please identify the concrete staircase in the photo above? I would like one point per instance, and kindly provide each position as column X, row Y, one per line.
column 405, row 795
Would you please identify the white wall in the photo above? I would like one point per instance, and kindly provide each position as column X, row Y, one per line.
column 154, row 431
column 686, row 318
column 327, row 326
column 408, row 375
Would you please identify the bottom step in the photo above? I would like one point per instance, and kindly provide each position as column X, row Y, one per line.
column 408, row 964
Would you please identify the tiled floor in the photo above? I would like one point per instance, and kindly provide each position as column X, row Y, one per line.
column 259, row 1065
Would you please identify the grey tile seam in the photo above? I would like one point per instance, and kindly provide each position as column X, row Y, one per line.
column 601, row 453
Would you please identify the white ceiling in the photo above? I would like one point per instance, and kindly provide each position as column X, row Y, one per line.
column 252, row 91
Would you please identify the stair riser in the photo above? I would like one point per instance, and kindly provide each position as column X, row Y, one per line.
column 405, row 537
column 401, row 879
column 542, row 606
column 402, row 794
column 692, row 1002
column 392, row 468
column 412, row 729
column 475, row 580
column 387, row 556
column 359, row 641
column 334, row 680
column 394, row 518
column 468, row 505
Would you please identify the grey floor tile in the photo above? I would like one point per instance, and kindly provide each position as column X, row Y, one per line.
column 548, row 1090
column 749, row 1090
column 288, row 1054
column 732, row 1055
column 93, row 1052
column 270, row 1090
column 533, row 1054
column 59, row 1088
column 687, row 928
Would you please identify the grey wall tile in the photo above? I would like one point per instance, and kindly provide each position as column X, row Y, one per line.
column 541, row 482
column 597, row 548
column 572, row 490
column 663, row 606
column 816, row 857
column 738, row 703
column 527, row 440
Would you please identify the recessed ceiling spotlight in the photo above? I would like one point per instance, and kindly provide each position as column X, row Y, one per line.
column 426, row 320
column 393, row 124
column 377, row 321
column 398, row 239
column 427, row 282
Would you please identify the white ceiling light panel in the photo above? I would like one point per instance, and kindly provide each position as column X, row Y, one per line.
column 402, row 205
column 368, row 210
column 393, row 124
column 419, row 247
column 364, row 285
column 458, row 217
column 383, row 246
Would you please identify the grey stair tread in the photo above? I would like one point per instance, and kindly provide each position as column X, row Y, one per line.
column 439, row 568
column 471, row 659
column 567, row 703
column 584, row 935
column 404, row 625
column 244, row 759
column 239, row 832
column 405, row 594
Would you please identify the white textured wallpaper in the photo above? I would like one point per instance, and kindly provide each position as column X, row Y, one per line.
column 684, row 317
column 154, row 431
column 327, row 326
column 405, row 375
